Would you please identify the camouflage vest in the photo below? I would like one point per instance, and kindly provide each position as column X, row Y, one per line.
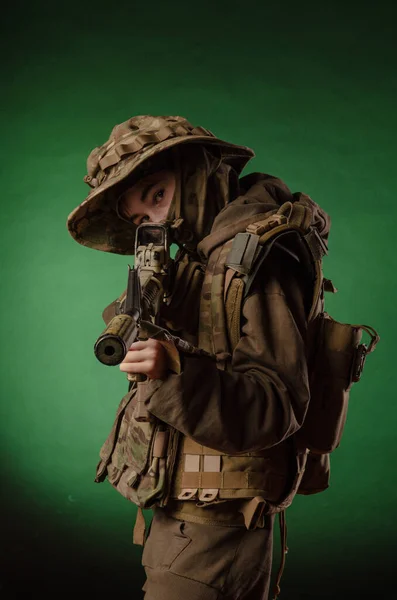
column 140, row 459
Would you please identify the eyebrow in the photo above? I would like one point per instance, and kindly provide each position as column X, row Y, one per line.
column 144, row 195
column 147, row 189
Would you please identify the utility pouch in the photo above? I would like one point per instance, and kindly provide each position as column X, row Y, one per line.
column 149, row 450
column 143, row 478
column 337, row 361
column 140, row 460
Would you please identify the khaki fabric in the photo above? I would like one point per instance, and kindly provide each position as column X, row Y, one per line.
column 201, row 562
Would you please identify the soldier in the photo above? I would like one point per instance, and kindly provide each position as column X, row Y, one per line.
column 237, row 416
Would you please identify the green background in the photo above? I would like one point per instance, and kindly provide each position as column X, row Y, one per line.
column 311, row 87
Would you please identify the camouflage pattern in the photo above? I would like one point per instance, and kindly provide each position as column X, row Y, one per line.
column 112, row 439
column 132, row 149
column 129, row 462
column 127, row 455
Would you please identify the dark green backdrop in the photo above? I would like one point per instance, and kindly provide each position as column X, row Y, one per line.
column 311, row 87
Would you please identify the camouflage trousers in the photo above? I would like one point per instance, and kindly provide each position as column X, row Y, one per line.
column 190, row 561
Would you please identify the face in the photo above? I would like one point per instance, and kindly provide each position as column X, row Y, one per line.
column 149, row 199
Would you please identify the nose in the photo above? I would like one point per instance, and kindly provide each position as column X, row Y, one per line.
column 155, row 215
column 149, row 217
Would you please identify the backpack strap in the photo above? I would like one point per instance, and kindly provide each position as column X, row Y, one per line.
column 240, row 274
column 250, row 249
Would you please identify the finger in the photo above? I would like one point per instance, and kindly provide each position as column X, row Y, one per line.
column 139, row 345
column 142, row 344
column 140, row 355
column 142, row 367
column 134, row 356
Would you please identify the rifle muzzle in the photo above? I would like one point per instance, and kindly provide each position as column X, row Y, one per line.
column 114, row 342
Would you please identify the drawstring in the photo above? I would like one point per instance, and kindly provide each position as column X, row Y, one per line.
column 284, row 551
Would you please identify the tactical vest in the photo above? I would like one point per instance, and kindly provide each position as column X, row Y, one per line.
column 140, row 459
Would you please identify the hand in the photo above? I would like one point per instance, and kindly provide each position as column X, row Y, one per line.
column 148, row 357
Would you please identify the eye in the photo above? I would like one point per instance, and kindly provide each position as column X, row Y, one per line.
column 158, row 197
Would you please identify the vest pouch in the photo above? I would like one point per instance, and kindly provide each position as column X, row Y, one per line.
column 151, row 487
column 109, row 467
column 338, row 360
column 142, row 480
column 316, row 475
column 147, row 450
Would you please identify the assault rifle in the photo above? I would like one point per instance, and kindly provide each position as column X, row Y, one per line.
column 138, row 309
column 143, row 297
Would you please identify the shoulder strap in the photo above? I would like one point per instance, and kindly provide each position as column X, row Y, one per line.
column 250, row 249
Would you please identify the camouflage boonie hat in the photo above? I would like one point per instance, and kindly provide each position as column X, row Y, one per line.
column 95, row 223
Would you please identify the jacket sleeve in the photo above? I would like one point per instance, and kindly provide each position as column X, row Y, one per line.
column 264, row 398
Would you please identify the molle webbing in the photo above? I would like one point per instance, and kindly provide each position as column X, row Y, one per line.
column 209, row 474
column 243, row 480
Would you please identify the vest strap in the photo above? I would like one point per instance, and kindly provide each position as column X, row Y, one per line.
column 229, row 480
column 139, row 528
column 192, row 447
column 211, row 467
column 243, row 252
column 192, row 467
